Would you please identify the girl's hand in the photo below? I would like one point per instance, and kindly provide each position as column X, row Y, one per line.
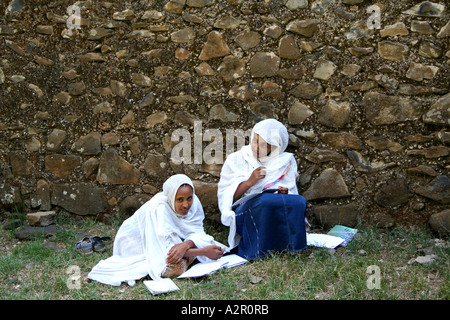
column 214, row 252
column 257, row 174
column 177, row 252
column 283, row 190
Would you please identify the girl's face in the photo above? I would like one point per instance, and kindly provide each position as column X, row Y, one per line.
column 260, row 147
column 183, row 200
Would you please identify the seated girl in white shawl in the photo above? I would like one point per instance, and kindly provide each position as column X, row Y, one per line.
column 161, row 238
column 274, row 219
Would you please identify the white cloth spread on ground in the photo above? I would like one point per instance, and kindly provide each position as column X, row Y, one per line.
column 143, row 240
column 239, row 166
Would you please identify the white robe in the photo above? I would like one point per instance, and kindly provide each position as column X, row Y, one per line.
column 239, row 166
column 143, row 240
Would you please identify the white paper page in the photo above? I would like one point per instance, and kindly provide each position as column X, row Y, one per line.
column 160, row 286
column 202, row 269
column 323, row 240
column 244, row 199
column 233, row 260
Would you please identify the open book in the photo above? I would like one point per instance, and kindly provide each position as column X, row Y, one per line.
column 343, row 232
column 251, row 196
column 337, row 236
column 166, row 285
column 205, row 268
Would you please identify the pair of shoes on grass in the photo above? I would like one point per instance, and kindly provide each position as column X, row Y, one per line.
column 88, row 245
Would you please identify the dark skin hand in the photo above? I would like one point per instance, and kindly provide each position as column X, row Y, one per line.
column 188, row 249
column 257, row 174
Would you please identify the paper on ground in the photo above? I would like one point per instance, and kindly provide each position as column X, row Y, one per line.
column 323, row 240
column 205, row 268
column 202, row 269
column 160, row 286
column 233, row 260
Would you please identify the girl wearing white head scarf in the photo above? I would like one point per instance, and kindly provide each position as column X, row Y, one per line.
column 269, row 221
column 160, row 237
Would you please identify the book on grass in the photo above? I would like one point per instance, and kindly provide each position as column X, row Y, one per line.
column 323, row 240
column 160, row 286
column 343, row 232
column 205, row 268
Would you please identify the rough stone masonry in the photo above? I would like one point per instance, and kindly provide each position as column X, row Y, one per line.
column 91, row 92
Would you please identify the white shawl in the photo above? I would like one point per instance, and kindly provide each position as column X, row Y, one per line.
column 143, row 240
column 239, row 166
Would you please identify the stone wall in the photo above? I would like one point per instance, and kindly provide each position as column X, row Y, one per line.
column 87, row 114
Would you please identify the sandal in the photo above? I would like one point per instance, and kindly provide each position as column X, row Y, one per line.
column 90, row 244
column 84, row 246
column 97, row 243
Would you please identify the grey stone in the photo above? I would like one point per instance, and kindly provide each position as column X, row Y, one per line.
column 20, row 165
column 264, row 64
column 430, row 153
column 155, row 118
column 330, row 215
column 445, row 31
column 383, row 109
column 100, row 33
column 320, row 155
column 89, row 144
column 437, row 190
column 43, row 194
column 288, row 48
column 220, row 112
column 418, row 71
column 393, row 194
column 397, row 29
column 90, row 167
column 77, row 88
column 439, row 112
column 426, row 9
column 183, row 35
column 206, row 192
column 429, row 50
column 228, row 22
column 394, row 51
column 80, row 198
column 305, row 28
column 329, row 184
column 42, row 218
column 341, row 140
column 422, row 27
column 335, row 114
column 29, row 232
column 440, row 222
column 298, row 113
column 156, row 166
column 307, row 90
column 324, row 70
column 248, row 40
column 113, row 169
column 141, row 80
column 231, row 68
column 130, row 204
column 61, row 165
column 363, row 165
column 214, row 47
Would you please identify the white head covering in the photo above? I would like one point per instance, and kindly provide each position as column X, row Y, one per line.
column 239, row 166
column 143, row 240
column 275, row 134
column 171, row 186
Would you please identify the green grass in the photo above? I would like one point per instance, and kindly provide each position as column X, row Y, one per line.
column 33, row 270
